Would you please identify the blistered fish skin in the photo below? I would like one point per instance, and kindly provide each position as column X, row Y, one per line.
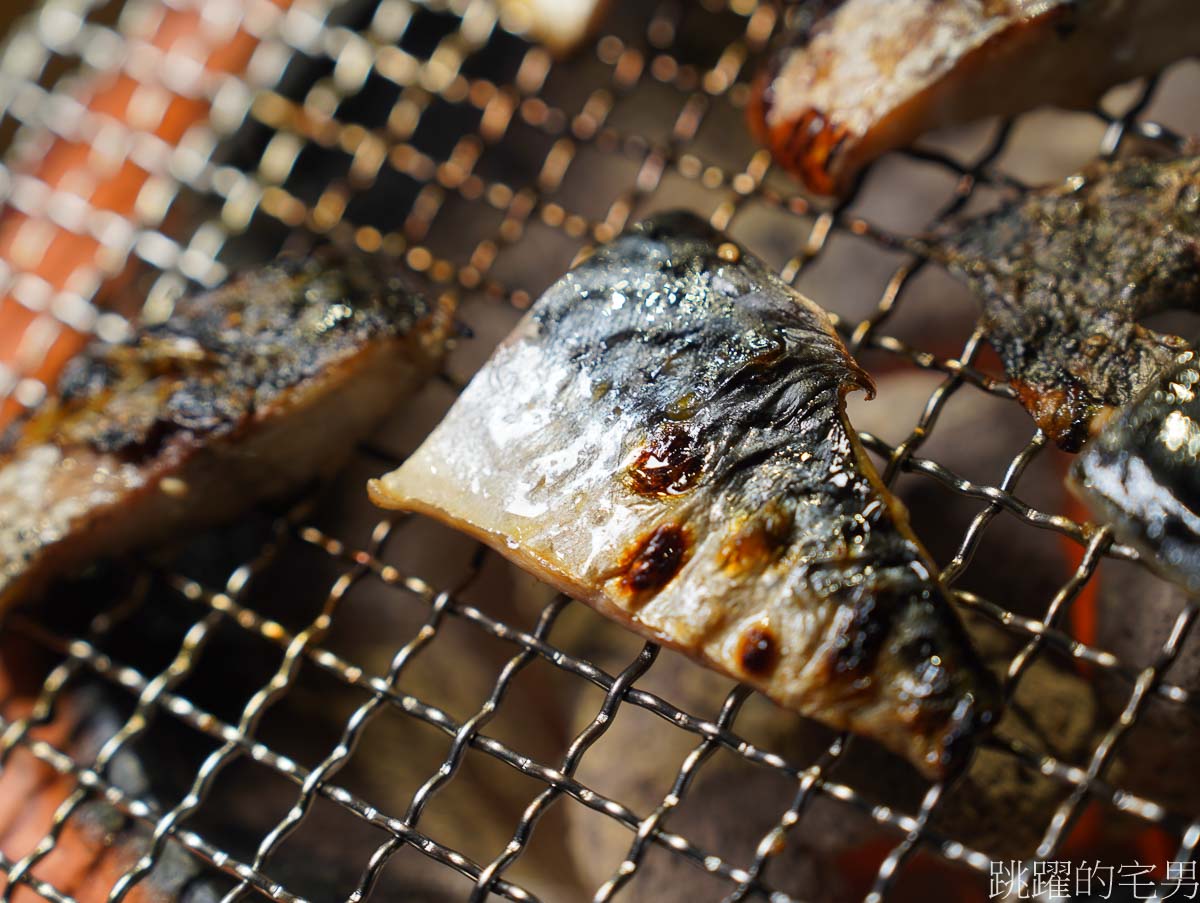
column 244, row 394
column 663, row 437
column 1142, row 473
column 1065, row 275
column 873, row 75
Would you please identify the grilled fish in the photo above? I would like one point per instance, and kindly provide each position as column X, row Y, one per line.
column 1142, row 473
column 874, row 74
column 244, row 394
column 1066, row 273
column 663, row 437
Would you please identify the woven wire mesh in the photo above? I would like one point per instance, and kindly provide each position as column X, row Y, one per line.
column 429, row 132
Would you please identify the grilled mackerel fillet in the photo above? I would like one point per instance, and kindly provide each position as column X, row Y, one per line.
column 244, row 394
column 874, row 74
column 1066, row 273
column 663, row 437
column 1142, row 473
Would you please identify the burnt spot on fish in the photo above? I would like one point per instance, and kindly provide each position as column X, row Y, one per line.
column 811, row 146
column 668, row 464
column 1065, row 20
column 1062, row 413
column 808, row 145
column 758, row 542
column 758, row 650
column 653, row 563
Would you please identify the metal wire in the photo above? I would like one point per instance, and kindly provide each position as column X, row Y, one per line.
column 505, row 148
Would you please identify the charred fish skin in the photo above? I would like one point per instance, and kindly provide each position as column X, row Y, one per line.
column 1066, row 273
column 873, row 75
column 244, row 394
column 663, row 437
column 1141, row 474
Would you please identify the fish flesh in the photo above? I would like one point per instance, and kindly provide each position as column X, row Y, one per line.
column 244, row 394
column 1142, row 473
column 1065, row 275
column 663, row 437
column 873, row 75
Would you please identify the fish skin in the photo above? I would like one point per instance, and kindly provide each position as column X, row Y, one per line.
column 873, row 75
column 244, row 394
column 663, row 437
column 1066, row 273
column 1141, row 474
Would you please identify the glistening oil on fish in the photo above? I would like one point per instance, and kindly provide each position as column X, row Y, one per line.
column 663, row 437
column 1142, row 473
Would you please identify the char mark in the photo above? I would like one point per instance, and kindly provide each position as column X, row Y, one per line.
column 811, row 146
column 668, row 464
column 758, row 651
column 653, row 563
column 1063, row 413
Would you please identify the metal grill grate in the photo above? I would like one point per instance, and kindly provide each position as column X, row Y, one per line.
column 429, row 132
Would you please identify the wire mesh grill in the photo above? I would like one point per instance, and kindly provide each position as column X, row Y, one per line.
column 428, row 131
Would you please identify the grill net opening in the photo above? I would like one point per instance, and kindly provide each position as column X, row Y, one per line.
column 325, row 703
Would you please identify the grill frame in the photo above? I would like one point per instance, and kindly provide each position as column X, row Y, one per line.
column 194, row 255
